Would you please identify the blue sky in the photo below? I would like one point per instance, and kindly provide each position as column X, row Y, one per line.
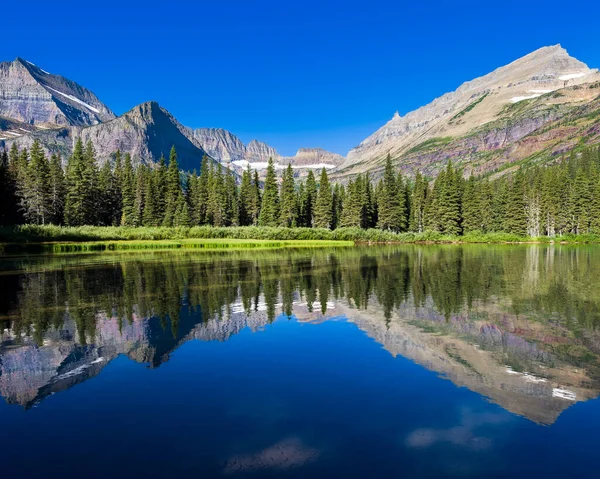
column 294, row 74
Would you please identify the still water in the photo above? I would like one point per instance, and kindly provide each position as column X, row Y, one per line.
column 400, row 362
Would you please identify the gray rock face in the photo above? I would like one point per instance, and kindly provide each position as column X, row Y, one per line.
column 227, row 148
column 31, row 95
column 146, row 132
column 260, row 151
column 220, row 144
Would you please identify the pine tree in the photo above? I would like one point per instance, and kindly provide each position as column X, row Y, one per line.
column 351, row 212
column 150, row 215
column 201, row 199
column 172, row 189
column 339, row 194
column 37, row 198
column 418, row 200
column 9, row 189
column 215, row 210
column 389, row 214
column 246, row 193
column 324, row 204
column 231, row 200
column 471, row 208
column 127, row 192
column 256, row 202
column 182, row 213
column 289, row 205
column 449, row 202
column 82, row 184
column 308, row 200
column 160, row 189
column 6, row 189
column 515, row 220
column 269, row 211
column 140, row 196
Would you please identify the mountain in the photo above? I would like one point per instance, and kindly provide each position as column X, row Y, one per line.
column 220, row 144
column 225, row 147
column 33, row 96
column 147, row 131
column 518, row 112
column 228, row 149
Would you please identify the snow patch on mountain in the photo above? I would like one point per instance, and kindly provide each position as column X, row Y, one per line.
column 75, row 99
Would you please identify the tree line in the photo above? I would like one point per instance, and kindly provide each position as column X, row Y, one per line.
column 551, row 200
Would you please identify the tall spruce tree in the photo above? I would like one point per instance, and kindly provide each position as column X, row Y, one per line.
column 82, row 186
column 172, row 188
column 324, row 205
column 269, row 211
column 389, row 213
column 308, row 200
column 418, row 200
column 246, row 192
column 289, row 204
column 127, row 192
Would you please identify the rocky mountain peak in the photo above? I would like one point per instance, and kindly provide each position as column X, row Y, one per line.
column 472, row 104
column 31, row 95
column 260, row 151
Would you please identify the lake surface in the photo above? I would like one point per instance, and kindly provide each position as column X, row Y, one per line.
column 400, row 362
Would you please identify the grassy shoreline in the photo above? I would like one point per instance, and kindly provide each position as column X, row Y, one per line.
column 60, row 239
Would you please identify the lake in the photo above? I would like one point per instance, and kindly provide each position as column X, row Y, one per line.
column 396, row 361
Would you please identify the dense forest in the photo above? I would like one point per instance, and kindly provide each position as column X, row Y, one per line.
column 551, row 200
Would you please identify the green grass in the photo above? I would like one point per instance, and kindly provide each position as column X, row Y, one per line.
column 61, row 239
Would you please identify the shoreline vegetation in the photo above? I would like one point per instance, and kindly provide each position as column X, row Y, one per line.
column 77, row 239
column 119, row 207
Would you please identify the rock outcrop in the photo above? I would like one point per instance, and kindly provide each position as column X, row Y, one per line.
column 31, row 95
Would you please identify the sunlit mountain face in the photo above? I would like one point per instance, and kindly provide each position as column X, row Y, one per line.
column 414, row 348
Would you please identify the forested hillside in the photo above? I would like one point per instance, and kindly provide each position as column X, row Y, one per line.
column 546, row 200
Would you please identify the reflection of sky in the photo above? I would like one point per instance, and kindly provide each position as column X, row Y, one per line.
column 311, row 400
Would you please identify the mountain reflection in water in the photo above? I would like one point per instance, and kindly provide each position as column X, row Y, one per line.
column 517, row 325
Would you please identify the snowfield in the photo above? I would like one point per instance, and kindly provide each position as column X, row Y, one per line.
column 75, row 99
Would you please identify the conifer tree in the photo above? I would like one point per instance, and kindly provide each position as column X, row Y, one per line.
column 150, row 215
column 172, row 189
column 418, row 201
column 37, row 189
column 289, row 205
column 351, row 213
column 127, row 191
column 324, row 205
column 471, row 208
column 269, row 211
column 182, row 214
column 339, row 194
column 160, row 189
column 215, row 210
column 307, row 201
column 108, row 194
column 231, row 200
column 515, row 220
column 389, row 214
column 201, row 199
column 82, row 186
column 139, row 198
column 256, row 202
column 246, row 193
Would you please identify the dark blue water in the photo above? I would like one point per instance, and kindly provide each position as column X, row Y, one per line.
column 379, row 370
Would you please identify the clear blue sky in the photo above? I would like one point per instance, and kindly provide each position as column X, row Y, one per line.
column 294, row 74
